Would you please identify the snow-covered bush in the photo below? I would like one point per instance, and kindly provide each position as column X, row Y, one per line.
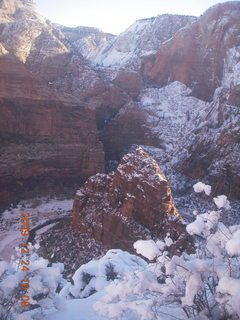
column 45, row 283
column 203, row 285
column 97, row 274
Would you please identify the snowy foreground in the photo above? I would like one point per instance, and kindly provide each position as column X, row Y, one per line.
column 204, row 285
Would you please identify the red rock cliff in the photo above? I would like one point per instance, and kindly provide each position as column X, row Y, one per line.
column 131, row 203
column 43, row 137
column 47, row 135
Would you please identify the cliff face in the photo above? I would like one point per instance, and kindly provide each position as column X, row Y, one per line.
column 42, row 137
column 131, row 203
column 45, row 136
column 195, row 55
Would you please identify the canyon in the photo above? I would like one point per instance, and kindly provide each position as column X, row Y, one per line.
column 124, row 151
column 74, row 101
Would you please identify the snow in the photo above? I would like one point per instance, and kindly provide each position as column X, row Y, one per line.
column 200, row 187
column 161, row 245
column 197, row 227
column 38, row 263
column 3, row 267
column 135, row 292
column 45, row 206
column 230, row 288
column 203, row 224
column 116, row 302
column 79, row 309
column 233, row 245
column 40, row 210
column 147, row 248
column 46, row 228
column 231, row 74
column 172, row 113
column 24, row 316
column 96, row 274
column 168, row 241
column 222, row 202
column 36, row 283
column 194, row 283
column 12, row 281
column 8, row 241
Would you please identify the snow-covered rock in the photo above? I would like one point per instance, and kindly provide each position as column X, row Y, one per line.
column 85, row 40
column 143, row 37
column 97, row 274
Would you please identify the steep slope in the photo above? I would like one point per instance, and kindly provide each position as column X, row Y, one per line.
column 142, row 38
column 195, row 55
column 214, row 149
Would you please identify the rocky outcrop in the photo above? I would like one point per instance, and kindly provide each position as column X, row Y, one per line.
column 131, row 203
column 195, row 55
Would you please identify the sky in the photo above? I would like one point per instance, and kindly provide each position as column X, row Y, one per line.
column 114, row 16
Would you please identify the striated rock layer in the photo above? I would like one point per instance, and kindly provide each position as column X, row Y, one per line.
column 132, row 203
column 43, row 136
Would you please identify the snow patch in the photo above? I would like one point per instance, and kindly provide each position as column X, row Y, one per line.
column 147, row 248
column 200, row 187
column 233, row 245
column 222, row 202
